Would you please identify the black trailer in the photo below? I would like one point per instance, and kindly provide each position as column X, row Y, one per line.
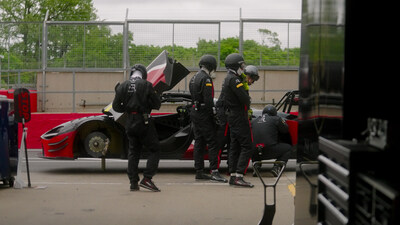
column 8, row 142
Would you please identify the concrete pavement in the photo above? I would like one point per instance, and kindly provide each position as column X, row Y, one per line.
column 80, row 193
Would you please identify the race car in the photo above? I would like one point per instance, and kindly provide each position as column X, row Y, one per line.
column 103, row 136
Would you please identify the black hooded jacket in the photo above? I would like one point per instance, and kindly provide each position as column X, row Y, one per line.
column 236, row 97
column 267, row 129
column 202, row 90
column 136, row 95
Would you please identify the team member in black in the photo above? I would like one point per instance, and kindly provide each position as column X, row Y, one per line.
column 237, row 103
column 202, row 116
column 267, row 130
column 137, row 98
column 249, row 76
column 222, row 125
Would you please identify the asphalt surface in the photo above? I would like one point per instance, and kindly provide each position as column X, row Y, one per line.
column 80, row 192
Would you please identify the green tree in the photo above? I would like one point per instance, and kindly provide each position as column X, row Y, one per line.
column 27, row 12
column 35, row 10
column 229, row 45
column 254, row 53
column 269, row 38
column 85, row 46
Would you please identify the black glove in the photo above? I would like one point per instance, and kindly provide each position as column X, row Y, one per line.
column 116, row 86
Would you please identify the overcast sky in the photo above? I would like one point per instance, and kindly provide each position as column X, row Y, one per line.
column 115, row 10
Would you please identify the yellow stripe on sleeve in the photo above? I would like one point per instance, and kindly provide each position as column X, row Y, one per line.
column 239, row 85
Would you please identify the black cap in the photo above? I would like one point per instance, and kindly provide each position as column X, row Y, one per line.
column 234, row 61
column 141, row 68
column 209, row 62
column 252, row 72
column 270, row 110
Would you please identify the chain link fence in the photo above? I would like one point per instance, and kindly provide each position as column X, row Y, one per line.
column 29, row 50
column 84, row 45
column 26, row 48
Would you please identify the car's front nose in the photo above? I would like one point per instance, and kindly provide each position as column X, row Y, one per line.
column 58, row 144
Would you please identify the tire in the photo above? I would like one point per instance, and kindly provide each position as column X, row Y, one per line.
column 96, row 144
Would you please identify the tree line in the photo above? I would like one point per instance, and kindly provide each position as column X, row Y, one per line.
column 97, row 46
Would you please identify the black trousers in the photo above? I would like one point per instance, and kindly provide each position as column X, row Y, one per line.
column 240, row 150
column 204, row 129
column 280, row 152
column 223, row 137
column 141, row 135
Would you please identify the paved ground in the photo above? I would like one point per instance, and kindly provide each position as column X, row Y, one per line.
column 79, row 192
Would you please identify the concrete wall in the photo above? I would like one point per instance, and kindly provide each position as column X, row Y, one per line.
column 93, row 91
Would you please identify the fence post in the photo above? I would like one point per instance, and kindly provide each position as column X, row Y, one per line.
column 288, row 50
column 44, row 61
column 219, row 46
column 73, row 92
column 125, row 46
column 240, row 33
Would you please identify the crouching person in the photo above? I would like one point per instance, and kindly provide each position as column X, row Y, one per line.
column 266, row 132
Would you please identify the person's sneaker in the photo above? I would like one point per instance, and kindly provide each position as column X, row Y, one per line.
column 275, row 170
column 215, row 176
column 242, row 183
column 134, row 186
column 148, row 184
column 200, row 175
column 232, row 180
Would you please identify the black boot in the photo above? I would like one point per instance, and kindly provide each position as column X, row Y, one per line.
column 201, row 175
column 215, row 176
column 242, row 183
column 276, row 170
column 134, row 186
column 232, row 180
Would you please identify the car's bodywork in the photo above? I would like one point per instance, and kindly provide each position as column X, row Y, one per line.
column 104, row 135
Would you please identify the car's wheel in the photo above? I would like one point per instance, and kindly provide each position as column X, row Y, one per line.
column 96, row 144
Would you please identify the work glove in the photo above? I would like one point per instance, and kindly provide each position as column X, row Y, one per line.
column 244, row 82
column 250, row 113
column 116, row 86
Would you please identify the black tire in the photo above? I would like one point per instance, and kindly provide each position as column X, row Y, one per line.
column 96, row 144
